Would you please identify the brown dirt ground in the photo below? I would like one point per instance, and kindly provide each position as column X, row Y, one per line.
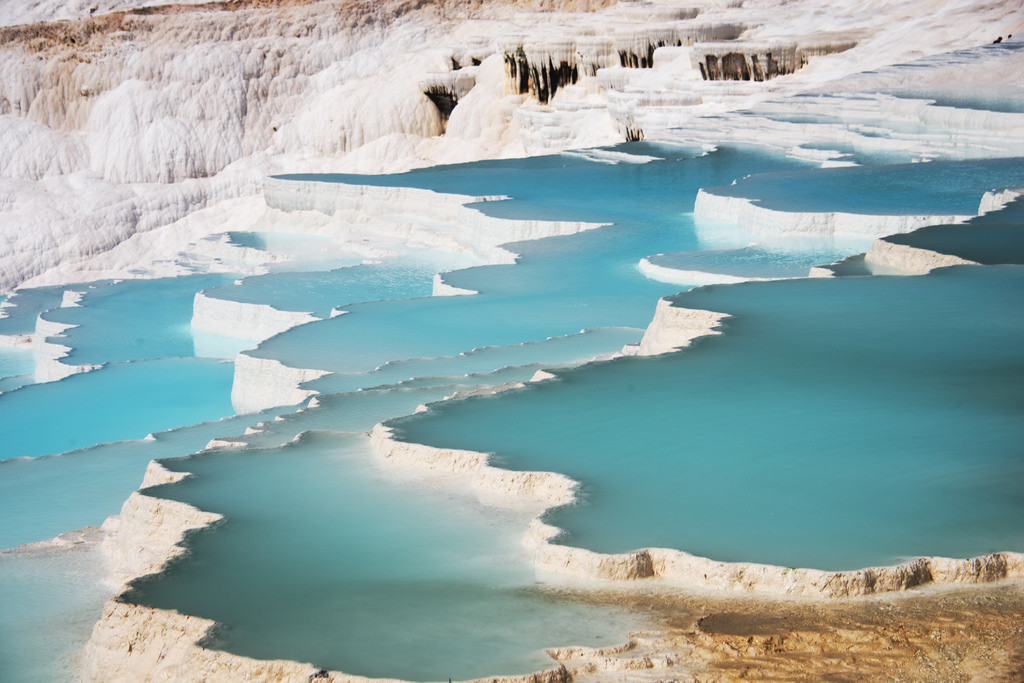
column 970, row 633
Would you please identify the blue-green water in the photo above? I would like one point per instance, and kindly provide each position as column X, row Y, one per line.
column 749, row 262
column 132, row 320
column 119, row 401
column 559, row 285
column 50, row 601
column 327, row 561
column 995, row 238
column 937, row 187
column 353, row 565
column 836, row 424
column 319, row 292
column 84, row 487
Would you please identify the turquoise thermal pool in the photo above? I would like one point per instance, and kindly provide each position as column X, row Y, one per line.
column 854, row 382
column 326, row 560
column 836, row 424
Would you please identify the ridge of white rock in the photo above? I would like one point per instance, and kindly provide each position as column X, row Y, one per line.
column 493, row 485
column 147, row 533
column 674, row 327
column 243, row 320
column 761, row 221
column 442, row 288
column 678, row 568
column 261, row 383
column 50, row 354
column 995, row 200
column 681, row 276
column 910, row 260
column 434, row 219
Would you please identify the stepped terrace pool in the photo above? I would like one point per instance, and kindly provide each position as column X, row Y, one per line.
column 801, row 367
column 836, row 424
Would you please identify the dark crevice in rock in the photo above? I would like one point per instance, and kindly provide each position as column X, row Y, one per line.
column 542, row 80
column 444, row 99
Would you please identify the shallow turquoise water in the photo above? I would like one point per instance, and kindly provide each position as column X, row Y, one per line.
column 319, row 292
column 43, row 631
column 119, row 401
column 15, row 362
column 937, row 187
column 25, row 304
column 295, row 251
column 837, row 424
column 750, row 262
column 531, row 356
column 318, row 520
column 560, row 285
column 132, row 319
column 45, row 496
column 359, row 572
column 995, row 238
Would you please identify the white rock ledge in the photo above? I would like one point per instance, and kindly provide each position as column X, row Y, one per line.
column 678, row 276
column 500, row 487
column 261, row 383
column 416, row 216
column 240, row 320
column 910, row 260
column 995, row 200
column 674, row 328
column 769, row 222
column 494, row 486
column 49, row 364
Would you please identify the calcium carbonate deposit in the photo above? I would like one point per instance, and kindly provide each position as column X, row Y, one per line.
column 350, row 340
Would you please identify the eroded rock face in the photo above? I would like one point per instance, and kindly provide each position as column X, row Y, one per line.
column 742, row 61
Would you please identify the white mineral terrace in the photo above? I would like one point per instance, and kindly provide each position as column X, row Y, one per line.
column 353, row 214
column 418, row 217
column 130, row 143
column 50, row 354
column 671, row 329
column 689, row 277
column 242, row 320
column 909, row 260
column 766, row 222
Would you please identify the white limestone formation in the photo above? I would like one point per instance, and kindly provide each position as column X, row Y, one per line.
column 49, row 354
column 765, row 222
column 147, row 534
column 262, row 383
column 442, row 288
column 493, row 485
column 690, row 277
column 910, row 260
column 997, row 200
column 674, row 327
column 417, row 217
column 118, row 123
column 243, row 320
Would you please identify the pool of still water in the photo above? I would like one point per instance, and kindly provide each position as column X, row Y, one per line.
column 559, row 287
column 328, row 560
column 837, row 424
